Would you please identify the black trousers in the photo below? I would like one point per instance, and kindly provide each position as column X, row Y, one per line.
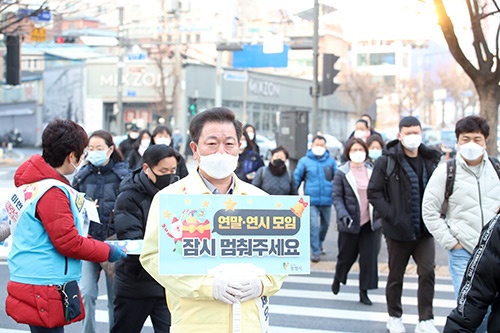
column 131, row 313
column 366, row 244
column 423, row 253
column 40, row 329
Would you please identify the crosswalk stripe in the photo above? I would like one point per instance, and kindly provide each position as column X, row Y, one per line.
column 352, row 282
column 346, row 314
column 102, row 317
column 354, row 297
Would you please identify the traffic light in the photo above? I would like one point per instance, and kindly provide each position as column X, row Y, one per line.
column 13, row 60
column 327, row 85
column 193, row 108
column 65, row 40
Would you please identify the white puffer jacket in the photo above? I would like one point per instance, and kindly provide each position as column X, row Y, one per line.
column 475, row 200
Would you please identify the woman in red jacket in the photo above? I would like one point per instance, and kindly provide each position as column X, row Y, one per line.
column 48, row 223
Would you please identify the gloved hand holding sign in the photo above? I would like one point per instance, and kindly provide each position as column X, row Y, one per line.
column 226, row 291
column 252, row 288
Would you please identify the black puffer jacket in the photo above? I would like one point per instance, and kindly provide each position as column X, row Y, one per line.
column 101, row 184
column 131, row 214
column 391, row 198
column 480, row 285
column 346, row 200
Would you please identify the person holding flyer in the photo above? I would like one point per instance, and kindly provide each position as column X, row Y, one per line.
column 210, row 303
column 48, row 218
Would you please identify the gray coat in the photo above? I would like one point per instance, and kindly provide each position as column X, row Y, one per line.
column 275, row 185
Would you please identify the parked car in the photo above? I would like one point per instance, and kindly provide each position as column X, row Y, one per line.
column 265, row 146
column 334, row 145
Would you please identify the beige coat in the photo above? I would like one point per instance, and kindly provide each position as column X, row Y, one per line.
column 189, row 297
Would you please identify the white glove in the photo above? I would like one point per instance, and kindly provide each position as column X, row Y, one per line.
column 252, row 288
column 226, row 291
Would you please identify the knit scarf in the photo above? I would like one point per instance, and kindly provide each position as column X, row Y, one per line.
column 415, row 193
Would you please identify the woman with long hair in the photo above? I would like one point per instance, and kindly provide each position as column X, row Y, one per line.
column 139, row 147
column 249, row 160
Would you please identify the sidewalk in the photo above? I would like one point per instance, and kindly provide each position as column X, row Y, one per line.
column 10, row 158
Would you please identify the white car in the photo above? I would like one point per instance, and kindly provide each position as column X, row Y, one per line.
column 265, row 146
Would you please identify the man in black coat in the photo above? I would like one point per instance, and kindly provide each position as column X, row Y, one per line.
column 137, row 294
column 396, row 193
column 127, row 145
column 480, row 287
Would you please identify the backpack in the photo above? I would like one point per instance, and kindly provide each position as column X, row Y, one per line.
column 450, row 180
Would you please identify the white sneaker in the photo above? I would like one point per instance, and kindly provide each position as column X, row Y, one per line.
column 426, row 326
column 395, row 325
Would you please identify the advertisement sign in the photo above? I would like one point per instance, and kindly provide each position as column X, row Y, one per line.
column 199, row 232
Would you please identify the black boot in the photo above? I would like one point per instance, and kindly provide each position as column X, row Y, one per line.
column 363, row 297
column 335, row 286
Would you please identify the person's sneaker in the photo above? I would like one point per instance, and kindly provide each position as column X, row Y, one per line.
column 315, row 258
column 426, row 326
column 395, row 325
column 323, row 251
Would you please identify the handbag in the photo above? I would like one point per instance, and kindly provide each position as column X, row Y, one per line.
column 71, row 299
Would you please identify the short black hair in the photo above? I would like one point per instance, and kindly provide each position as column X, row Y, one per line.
column 214, row 115
column 318, row 137
column 351, row 143
column 278, row 149
column 472, row 124
column 155, row 153
column 162, row 129
column 409, row 121
column 367, row 116
column 363, row 122
column 60, row 138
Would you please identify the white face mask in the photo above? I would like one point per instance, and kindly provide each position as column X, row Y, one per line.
column 412, row 141
column 243, row 145
column 357, row 156
column 133, row 135
column 251, row 135
column 471, row 151
column 218, row 166
column 163, row 141
column 145, row 142
column 318, row 150
column 360, row 134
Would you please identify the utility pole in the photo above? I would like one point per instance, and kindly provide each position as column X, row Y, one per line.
column 315, row 121
column 179, row 93
column 120, row 116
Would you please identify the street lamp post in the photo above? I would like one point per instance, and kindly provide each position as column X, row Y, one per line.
column 315, row 85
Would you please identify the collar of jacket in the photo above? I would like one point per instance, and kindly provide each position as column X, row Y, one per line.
column 395, row 149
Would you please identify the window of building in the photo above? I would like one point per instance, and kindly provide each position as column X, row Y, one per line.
column 188, row 38
column 198, row 38
column 377, row 59
column 362, row 60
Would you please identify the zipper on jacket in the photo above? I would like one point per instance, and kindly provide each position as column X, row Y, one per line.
column 65, row 265
column 480, row 202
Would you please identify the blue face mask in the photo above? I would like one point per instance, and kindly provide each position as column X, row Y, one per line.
column 97, row 157
column 374, row 153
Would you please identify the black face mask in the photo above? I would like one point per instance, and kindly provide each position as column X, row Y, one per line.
column 277, row 167
column 278, row 162
column 163, row 181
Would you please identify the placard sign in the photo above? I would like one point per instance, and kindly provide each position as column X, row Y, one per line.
column 199, row 232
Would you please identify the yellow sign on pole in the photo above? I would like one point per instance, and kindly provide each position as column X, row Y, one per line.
column 38, row 35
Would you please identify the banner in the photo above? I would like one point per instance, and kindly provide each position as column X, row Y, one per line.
column 200, row 232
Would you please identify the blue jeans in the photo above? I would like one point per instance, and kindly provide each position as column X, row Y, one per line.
column 320, row 220
column 457, row 264
column 91, row 272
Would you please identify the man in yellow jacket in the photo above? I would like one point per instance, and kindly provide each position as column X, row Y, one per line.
column 204, row 303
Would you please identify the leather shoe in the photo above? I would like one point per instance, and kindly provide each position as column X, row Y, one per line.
column 363, row 297
column 335, row 286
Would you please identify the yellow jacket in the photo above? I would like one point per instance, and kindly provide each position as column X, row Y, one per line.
column 189, row 297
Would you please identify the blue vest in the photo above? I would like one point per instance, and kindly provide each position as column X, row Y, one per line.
column 33, row 258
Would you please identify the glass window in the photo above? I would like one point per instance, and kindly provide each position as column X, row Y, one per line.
column 362, row 60
column 377, row 59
